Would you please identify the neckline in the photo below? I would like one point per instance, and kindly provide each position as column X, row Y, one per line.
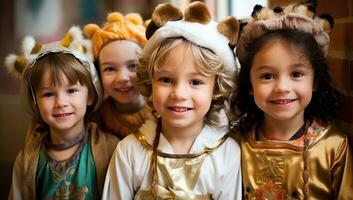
column 66, row 145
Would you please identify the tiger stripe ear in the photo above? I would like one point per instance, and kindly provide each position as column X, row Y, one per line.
column 162, row 14
column 230, row 28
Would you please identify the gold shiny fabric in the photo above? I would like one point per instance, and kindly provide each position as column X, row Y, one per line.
column 274, row 169
column 177, row 175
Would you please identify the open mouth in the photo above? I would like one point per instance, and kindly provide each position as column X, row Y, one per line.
column 282, row 101
column 124, row 90
column 179, row 109
column 62, row 115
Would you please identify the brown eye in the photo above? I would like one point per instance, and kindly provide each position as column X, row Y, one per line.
column 267, row 76
column 297, row 74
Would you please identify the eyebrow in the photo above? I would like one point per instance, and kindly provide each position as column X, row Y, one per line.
column 112, row 62
column 295, row 65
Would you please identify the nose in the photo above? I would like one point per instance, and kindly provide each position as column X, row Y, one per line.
column 60, row 101
column 179, row 92
column 282, row 85
column 123, row 75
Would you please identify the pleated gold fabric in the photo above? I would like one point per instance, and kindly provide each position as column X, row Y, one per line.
column 274, row 169
column 177, row 174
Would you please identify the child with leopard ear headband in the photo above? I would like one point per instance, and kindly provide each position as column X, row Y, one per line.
column 116, row 46
column 65, row 156
column 186, row 69
column 285, row 105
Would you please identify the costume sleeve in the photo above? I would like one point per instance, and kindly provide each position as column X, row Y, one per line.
column 21, row 186
column 15, row 190
column 119, row 181
column 231, row 185
column 342, row 172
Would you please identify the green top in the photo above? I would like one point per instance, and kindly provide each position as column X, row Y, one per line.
column 77, row 181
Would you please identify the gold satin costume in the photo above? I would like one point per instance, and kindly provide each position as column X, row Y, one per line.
column 211, row 169
column 177, row 174
column 274, row 169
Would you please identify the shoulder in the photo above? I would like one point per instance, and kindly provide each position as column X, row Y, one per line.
column 100, row 137
column 332, row 133
column 140, row 141
column 332, row 138
column 213, row 136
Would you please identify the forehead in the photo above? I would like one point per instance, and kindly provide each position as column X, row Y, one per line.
column 179, row 59
column 50, row 77
column 119, row 49
column 280, row 52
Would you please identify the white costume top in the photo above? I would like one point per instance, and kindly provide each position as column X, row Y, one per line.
column 219, row 173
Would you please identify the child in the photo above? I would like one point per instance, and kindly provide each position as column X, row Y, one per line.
column 286, row 104
column 115, row 49
column 187, row 74
column 65, row 156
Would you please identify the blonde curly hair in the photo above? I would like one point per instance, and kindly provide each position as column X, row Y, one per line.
column 206, row 60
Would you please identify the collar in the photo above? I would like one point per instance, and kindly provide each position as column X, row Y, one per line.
column 209, row 137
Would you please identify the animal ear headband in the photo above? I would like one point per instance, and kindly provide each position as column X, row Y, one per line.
column 118, row 27
column 72, row 43
column 301, row 17
column 195, row 26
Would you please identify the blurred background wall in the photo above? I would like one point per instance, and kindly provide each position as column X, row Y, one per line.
column 48, row 20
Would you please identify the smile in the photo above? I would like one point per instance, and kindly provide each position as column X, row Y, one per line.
column 62, row 115
column 125, row 89
column 282, row 101
column 179, row 109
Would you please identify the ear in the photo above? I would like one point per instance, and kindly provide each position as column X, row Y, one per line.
column 197, row 12
column 230, row 28
column 166, row 12
column 89, row 101
column 161, row 14
column 15, row 64
column 261, row 13
column 327, row 22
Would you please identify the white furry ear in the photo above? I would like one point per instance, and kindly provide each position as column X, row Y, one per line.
column 28, row 44
column 76, row 35
column 10, row 62
column 74, row 40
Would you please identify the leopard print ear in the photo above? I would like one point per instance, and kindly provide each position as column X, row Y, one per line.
column 16, row 64
column 162, row 14
column 326, row 21
column 261, row 13
column 230, row 28
column 197, row 12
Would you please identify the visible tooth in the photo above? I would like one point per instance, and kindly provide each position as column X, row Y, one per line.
column 180, row 109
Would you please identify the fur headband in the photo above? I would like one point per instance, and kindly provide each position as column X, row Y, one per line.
column 195, row 26
column 72, row 43
column 296, row 17
column 117, row 27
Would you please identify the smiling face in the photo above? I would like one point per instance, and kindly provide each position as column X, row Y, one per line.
column 282, row 79
column 117, row 62
column 181, row 94
column 62, row 107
